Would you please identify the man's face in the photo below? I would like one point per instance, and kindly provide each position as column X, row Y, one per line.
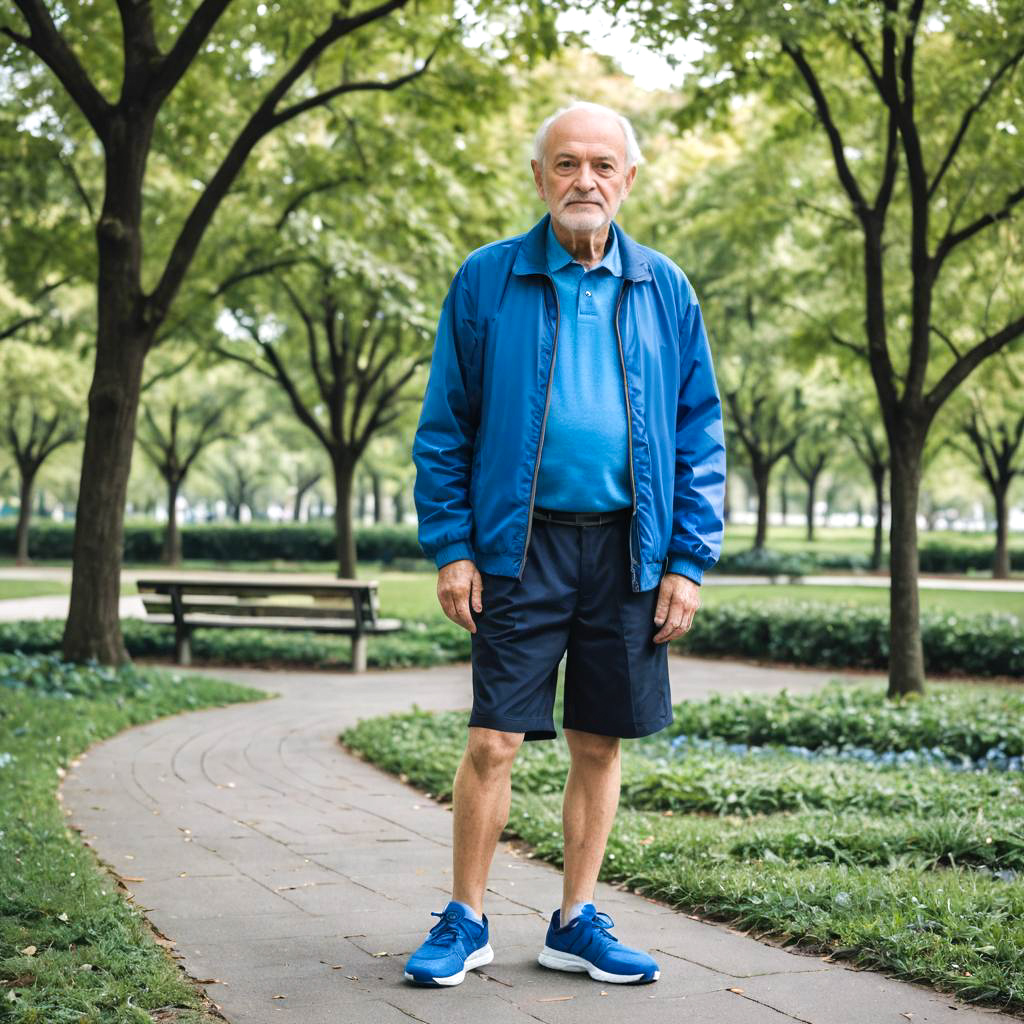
column 583, row 178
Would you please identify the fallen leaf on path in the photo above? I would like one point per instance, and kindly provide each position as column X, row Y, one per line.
column 280, row 997
column 555, row 999
column 909, row 1016
column 738, row 991
column 383, row 952
column 131, row 878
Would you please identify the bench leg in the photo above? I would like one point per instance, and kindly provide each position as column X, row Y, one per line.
column 182, row 647
column 359, row 653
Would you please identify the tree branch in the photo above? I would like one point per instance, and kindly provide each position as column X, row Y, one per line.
column 364, row 86
column 1008, row 65
column 959, row 371
column 169, row 71
column 953, row 238
column 51, row 48
column 263, row 120
column 846, row 177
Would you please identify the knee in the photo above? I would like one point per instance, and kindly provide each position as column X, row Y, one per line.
column 492, row 751
column 592, row 751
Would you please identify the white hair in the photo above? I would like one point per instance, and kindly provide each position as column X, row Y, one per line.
column 633, row 154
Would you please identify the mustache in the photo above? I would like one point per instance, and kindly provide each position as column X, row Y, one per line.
column 580, row 199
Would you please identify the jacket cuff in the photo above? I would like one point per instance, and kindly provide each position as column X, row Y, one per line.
column 453, row 552
column 686, row 566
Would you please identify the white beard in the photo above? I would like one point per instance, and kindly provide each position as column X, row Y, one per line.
column 582, row 218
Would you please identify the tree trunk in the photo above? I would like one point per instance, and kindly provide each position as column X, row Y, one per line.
column 727, row 501
column 906, row 658
column 21, row 556
column 378, row 497
column 171, row 554
column 344, row 535
column 761, row 483
column 1001, row 562
column 784, row 497
column 812, row 484
column 399, row 502
column 878, row 481
column 93, row 628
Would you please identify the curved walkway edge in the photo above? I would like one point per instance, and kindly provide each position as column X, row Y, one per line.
column 293, row 879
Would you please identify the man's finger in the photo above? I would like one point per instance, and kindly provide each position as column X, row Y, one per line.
column 465, row 616
column 478, row 592
column 664, row 600
column 672, row 620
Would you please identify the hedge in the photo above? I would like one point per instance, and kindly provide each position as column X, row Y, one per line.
column 388, row 543
column 802, row 633
column 848, row 636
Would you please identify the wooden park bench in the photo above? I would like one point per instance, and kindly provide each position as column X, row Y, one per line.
column 307, row 602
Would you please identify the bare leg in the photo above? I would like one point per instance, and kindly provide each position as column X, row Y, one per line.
column 481, row 799
column 588, row 811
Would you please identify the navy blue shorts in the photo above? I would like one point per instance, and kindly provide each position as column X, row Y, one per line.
column 575, row 596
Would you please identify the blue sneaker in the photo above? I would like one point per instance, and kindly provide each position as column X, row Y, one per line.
column 456, row 944
column 586, row 944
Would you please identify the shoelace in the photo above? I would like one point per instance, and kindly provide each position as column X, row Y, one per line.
column 604, row 922
column 444, row 933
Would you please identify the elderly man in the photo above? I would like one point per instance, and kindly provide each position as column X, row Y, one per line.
column 570, row 484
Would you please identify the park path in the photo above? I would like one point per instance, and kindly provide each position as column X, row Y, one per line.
column 293, row 879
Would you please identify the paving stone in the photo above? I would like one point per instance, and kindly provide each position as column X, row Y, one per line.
column 850, row 997
column 731, row 953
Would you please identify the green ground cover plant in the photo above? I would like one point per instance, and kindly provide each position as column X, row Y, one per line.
column 914, row 867
column 72, row 951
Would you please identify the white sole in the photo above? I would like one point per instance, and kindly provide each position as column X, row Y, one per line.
column 559, row 961
column 479, row 958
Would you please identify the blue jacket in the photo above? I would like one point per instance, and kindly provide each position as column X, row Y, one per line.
column 481, row 428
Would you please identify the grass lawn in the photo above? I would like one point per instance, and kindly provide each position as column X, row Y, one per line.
column 414, row 594
column 872, row 848
column 71, row 950
column 10, row 590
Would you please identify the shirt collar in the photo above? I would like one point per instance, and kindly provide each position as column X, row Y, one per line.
column 557, row 257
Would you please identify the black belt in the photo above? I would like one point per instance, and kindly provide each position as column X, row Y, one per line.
column 581, row 518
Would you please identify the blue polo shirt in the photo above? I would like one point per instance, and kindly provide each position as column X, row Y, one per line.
column 585, row 457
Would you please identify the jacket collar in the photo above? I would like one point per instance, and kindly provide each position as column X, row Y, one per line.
column 532, row 255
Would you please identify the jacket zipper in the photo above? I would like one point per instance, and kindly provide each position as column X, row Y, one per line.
column 543, row 425
column 629, row 431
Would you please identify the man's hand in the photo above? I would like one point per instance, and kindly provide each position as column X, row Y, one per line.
column 457, row 584
column 678, row 601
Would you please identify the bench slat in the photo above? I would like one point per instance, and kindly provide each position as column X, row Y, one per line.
column 215, row 605
column 341, row 626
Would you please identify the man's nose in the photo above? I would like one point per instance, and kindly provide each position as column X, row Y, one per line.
column 585, row 179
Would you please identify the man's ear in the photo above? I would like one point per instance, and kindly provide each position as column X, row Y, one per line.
column 538, row 178
column 627, row 184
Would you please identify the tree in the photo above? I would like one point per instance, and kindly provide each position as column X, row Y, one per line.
column 764, row 418
column 181, row 418
column 868, row 440
column 938, row 78
column 994, row 433
column 360, row 338
column 40, row 399
column 301, row 67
